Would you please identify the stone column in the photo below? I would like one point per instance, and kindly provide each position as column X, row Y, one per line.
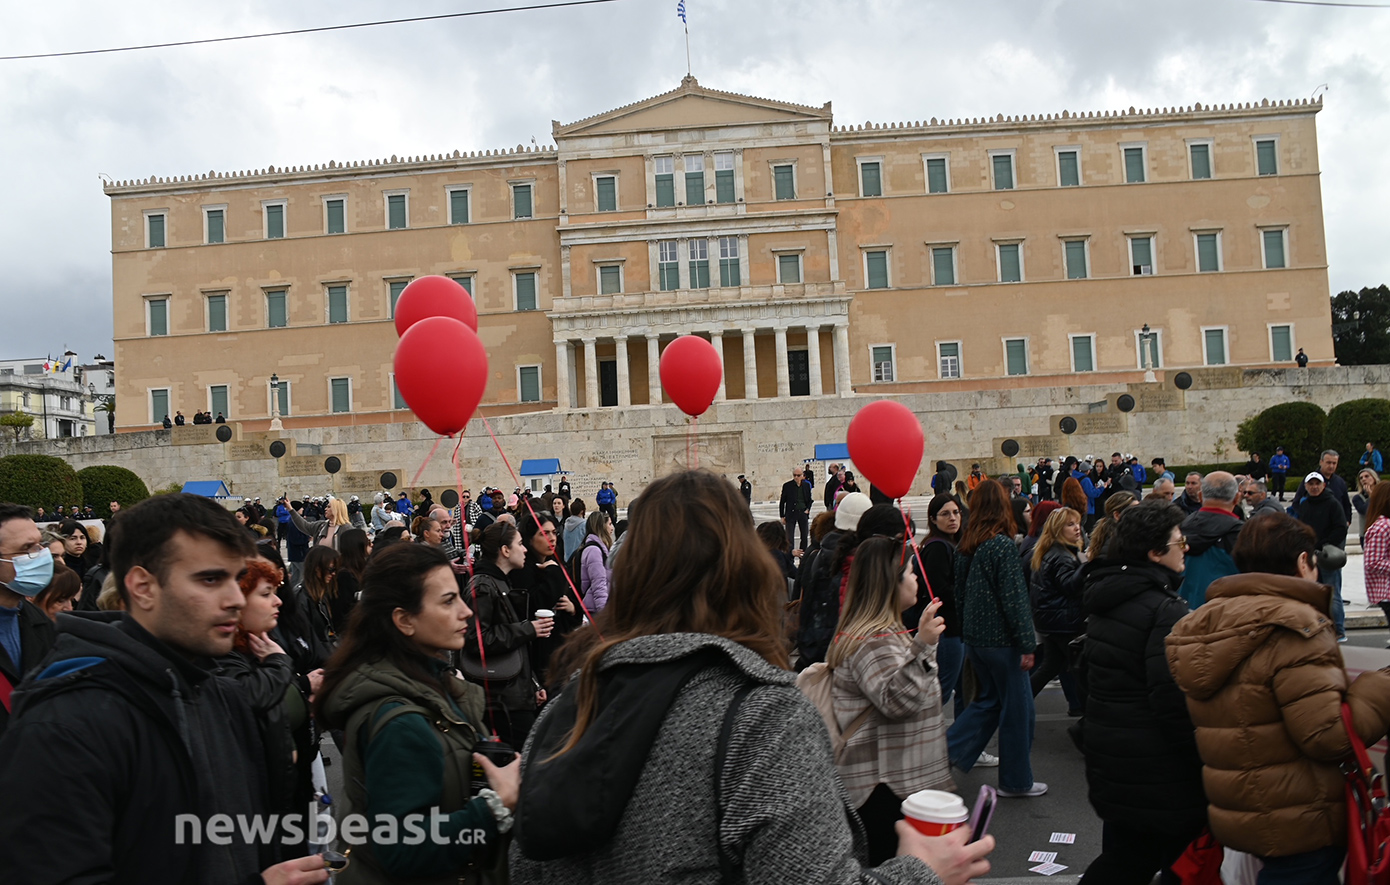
column 717, row 339
column 842, row 377
column 590, row 374
column 624, row 384
column 813, row 358
column 750, row 365
column 784, row 384
column 562, row 375
column 654, row 368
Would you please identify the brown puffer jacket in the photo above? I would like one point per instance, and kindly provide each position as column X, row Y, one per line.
column 1265, row 681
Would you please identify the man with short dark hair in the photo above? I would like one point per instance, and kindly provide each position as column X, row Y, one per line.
column 126, row 728
column 1279, row 465
column 563, row 489
column 26, row 633
column 745, row 488
column 1191, row 498
column 1371, row 458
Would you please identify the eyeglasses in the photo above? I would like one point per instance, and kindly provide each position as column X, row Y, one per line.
column 1181, row 542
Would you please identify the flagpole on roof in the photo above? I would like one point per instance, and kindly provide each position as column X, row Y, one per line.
column 680, row 10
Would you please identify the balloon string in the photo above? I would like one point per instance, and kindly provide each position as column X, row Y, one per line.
column 907, row 541
column 416, row 481
column 526, row 499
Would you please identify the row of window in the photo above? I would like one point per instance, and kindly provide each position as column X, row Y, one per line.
column 1134, row 161
column 66, row 403
column 1082, row 347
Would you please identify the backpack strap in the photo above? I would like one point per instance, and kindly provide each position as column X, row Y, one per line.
column 727, row 865
column 842, row 739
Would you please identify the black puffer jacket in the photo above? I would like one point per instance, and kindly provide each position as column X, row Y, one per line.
column 1141, row 754
column 501, row 617
column 1056, row 591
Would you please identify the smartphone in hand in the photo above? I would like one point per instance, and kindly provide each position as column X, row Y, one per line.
column 983, row 812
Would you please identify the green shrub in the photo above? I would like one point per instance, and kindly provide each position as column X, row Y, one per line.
column 39, row 481
column 1350, row 426
column 104, row 483
column 172, row 488
column 1298, row 427
column 1181, row 471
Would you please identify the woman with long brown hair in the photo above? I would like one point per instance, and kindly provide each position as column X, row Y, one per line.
column 999, row 643
column 682, row 749
column 1056, row 590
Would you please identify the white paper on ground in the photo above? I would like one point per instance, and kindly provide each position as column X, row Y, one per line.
column 1047, row 869
column 1042, row 857
column 1063, row 838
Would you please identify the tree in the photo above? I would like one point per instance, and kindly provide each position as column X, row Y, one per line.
column 1350, row 426
column 108, row 405
column 104, row 483
column 39, row 481
column 18, row 422
column 1298, row 427
column 1361, row 326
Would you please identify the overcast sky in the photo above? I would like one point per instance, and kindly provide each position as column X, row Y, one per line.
column 497, row 81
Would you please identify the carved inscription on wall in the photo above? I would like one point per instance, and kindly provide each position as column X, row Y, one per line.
column 720, row 452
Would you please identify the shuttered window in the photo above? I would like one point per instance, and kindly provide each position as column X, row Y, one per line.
column 876, row 269
column 159, row 316
column 526, row 291
column 1010, row 264
column 397, row 401
column 277, row 311
column 883, row 363
column 341, row 394
column 784, row 182
column 1068, row 169
column 1281, row 343
column 1003, row 172
column 396, row 287
column 1083, row 353
column 1274, row 249
column 871, row 179
column 936, row 176
column 607, row 193
column 1016, row 356
column 154, row 231
column 337, row 216
column 274, row 222
column 789, row 268
column 1201, row 160
column 217, row 313
column 1141, row 255
column 665, row 169
column 1134, row 165
column 728, row 262
column 217, row 396
column 1208, row 253
column 337, row 304
column 699, row 264
column 1215, row 341
column 943, row 259
column 217, row 225
column 610, row 280
column 948, row 357
column 284, row 396
column 395, row 212
column 668, row 263
column 458, row 207
column 724, row 177
column 521, row 201
column 159, row 405
column 1267, row 157
column 1076, row 260
column 529, row 379
column 694, row 179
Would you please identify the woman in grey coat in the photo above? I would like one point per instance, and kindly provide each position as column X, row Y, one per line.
column 681, row 749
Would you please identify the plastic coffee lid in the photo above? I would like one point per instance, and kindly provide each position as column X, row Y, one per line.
column 935, row 806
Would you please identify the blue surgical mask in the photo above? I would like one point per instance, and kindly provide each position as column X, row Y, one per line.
column 32, row 572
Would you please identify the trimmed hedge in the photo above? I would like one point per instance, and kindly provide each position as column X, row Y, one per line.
column 1350, row 426
column 1181, row 471
column 1298, row 427
column 104, row 483
column 39, row 481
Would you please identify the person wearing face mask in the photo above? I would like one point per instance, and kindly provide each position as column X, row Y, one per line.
column 26, row 633
column 506, row 636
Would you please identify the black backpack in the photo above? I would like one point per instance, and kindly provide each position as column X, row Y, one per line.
column 820, row 609
column 574, row 566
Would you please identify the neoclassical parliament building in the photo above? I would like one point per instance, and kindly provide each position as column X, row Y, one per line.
column 820, row 259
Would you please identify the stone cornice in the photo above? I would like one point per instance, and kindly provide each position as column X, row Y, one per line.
column 697, row 317
column 710, row 226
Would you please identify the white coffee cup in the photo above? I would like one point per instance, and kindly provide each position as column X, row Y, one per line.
column 935, row 812
column 544, row 613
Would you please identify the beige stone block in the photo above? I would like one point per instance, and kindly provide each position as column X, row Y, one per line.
column 248, row 450
column 1093, row 422
column 195, row 435
column 720, row 452
column 364, row 482
column 1030, row 448
column 307, row 465
column 1213, row 378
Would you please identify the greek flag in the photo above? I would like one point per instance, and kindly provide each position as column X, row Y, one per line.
column 680, row 10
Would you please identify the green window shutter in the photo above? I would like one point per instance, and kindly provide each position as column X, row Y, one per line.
column 607, row 192
column 949, row 353
column 395, row 212
column 1281, row 343
column 159, row 405
column 936, row 176
column 337, row 304
column 277, row 313
column 666, row 189
column 610, row 280
column 458, row 207
column 342, row 395
column 397, row 401
column 217, row 313
column 789, row 268
column 1274, row 249
column 284, row 397
column 1003, row 172
column 1010, row 268
column 337, row 217
column 530, row 384
column 526, row 291
column 217, row 227
column 1216, row 347
column 1016, row 356
column 521, row 198
column 883, row 363
column 1208, row 255
column 872, row 179
column 1201, row 161
column 274, row 222
column 466, row 282
column 1154, row 362
column 877, row 269
column 784, row 182
column 724, row 185
column 943, row 266
column 1081, row 353
column 729, row 272
column 694, row 188
column 1267, row 157
column 699, row 274
column 1068, row 171
column 670, row 276
column 218, row 395
column 1076, row 259
column 397, row 287
column 156, row 226
column 1141, row 251
column 159, row 316
column 1134, row 165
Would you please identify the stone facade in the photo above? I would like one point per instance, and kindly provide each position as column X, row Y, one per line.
column 764, row 440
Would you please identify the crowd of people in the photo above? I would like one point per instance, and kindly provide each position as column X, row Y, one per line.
column 567, row 696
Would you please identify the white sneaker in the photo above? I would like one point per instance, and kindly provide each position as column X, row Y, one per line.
column 987, row 761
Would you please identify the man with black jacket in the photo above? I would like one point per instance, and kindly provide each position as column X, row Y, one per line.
column 26, row 633
column 1321, row 511
column 794, row 506
column 126, row 736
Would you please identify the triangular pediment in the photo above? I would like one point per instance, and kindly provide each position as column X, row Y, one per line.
column 692, row 106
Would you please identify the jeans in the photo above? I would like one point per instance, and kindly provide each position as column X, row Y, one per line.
column 1339, row 614
column 1318, row 867
column 1005, row 702
column 1054, row 663
column 950, row 658
column 1131, row 856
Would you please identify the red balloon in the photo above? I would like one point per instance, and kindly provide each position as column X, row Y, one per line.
column 434, row 296
column 441, row 372
column 886, row 443
column 691, row 370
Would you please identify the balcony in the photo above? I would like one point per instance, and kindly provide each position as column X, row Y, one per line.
column 677, row 298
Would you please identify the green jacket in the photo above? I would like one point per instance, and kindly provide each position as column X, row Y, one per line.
column 993, row 597
column 409, row 749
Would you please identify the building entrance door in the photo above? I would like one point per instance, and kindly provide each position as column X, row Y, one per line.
column 799, row 372
column 608, row 383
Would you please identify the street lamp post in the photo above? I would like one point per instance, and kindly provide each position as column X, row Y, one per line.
column 275, row 402
column 1145, row 336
